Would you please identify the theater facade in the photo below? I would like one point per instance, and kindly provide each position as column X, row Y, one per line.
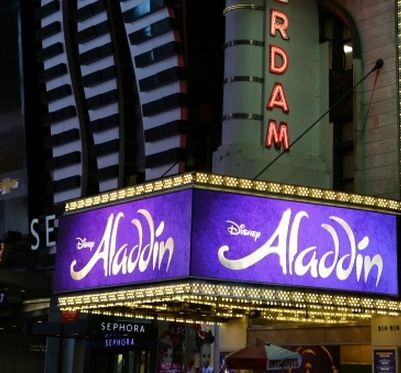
column 263, row 259
column 289, row 236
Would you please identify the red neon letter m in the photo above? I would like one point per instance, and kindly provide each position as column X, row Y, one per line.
column 277, row 134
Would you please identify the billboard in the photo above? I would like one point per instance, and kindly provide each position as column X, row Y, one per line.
column 138, row 241
column 227, row 236
column 272, row 241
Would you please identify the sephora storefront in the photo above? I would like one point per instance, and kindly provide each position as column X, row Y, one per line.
column 196, row 255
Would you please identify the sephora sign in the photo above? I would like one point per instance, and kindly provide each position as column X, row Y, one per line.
column 228, row 236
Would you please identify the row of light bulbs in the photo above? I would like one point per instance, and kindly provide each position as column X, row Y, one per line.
column 240, row 184
column 232, row 301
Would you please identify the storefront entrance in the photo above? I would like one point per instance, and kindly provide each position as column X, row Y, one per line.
column 135, row 360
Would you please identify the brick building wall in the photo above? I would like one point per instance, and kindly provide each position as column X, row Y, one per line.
column 377, row 26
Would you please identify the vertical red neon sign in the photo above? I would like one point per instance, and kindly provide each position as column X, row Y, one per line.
column 277, row 133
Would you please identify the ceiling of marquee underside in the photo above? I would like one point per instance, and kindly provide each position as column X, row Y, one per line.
column 213, row 302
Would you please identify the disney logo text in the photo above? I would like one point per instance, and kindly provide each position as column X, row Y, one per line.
column 82, row 243
column 240, row 229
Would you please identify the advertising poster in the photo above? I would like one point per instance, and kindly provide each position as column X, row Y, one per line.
column 186, row 348
column 292, row 243
column 384, row 361
column 205, row 234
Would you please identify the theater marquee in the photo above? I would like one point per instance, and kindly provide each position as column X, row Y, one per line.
column 227, row 236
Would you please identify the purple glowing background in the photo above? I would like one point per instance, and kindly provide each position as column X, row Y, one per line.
column 292, row 243
column 234, row 237
column 146, row 228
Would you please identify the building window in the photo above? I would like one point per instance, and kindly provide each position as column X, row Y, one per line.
column 341, row 97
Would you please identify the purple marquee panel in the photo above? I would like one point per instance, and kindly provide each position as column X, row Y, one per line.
column 270, row 241
column 227, row 236
column 134, row 242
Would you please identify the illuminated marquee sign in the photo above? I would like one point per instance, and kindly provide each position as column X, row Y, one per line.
column 228, row 236
column 140, row 241
column 291, row 243
column 277, row 132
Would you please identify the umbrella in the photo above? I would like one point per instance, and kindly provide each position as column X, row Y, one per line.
column 264, row 357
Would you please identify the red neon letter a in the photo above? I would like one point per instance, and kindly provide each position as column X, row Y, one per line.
column 277, row 135
column 277, row 99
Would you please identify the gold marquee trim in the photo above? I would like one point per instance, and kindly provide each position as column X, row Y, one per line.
column 219, row 302
column 243, row 185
